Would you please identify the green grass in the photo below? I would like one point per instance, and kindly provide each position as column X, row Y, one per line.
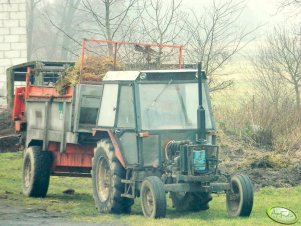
column 80, row 206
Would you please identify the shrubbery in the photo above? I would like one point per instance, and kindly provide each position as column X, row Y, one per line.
column 260, row 122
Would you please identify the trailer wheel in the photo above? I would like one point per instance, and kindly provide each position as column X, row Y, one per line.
column 36, row 171
column 107, row 173
column 240, row 197
column 190, row 201
column 153, row 198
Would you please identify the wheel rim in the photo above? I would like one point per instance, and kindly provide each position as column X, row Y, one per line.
column 103, row 179
column 234, row 198
column 148, row 201
column 27, row 172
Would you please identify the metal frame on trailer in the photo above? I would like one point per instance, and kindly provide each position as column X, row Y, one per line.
column 116, row 43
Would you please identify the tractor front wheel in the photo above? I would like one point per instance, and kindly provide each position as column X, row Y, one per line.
column 240, row 197
column 36, row 172
column 153, row 198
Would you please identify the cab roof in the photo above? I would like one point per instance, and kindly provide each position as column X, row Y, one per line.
column 148, row 75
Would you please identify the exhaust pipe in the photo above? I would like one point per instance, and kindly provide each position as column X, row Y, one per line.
column 201, row 121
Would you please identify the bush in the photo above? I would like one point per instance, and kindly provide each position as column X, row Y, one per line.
column 275, row 126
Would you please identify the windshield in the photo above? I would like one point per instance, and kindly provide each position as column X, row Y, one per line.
column 169, row 106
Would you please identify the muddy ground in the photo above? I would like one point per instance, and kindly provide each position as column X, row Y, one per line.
column 12, row 213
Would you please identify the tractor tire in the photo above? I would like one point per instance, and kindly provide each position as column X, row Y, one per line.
column 190, row 201
column 153, row 198
column 240, row 197
column 36, row 172
column 107, row 173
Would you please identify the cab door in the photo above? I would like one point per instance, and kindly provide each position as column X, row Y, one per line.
column 118, row 113
column 126, row 124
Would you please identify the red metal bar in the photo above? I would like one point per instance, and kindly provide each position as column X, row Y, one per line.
column 18, row 126
column 115, row 55
column 45, row 92
column 134, row 43
column 19, row 104
column 27, row 82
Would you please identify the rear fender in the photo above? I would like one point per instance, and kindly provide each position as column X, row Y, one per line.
column 114, row 142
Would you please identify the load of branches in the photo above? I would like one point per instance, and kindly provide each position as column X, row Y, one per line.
column 93, row 70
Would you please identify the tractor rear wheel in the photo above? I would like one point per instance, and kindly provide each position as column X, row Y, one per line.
column 107, row 173
column 190, row 201
column 153, row 198
column 240, row 197
column 36, row 171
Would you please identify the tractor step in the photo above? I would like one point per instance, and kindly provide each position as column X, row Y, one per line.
column 127, row 181
column 128, row 196
column 129, row 189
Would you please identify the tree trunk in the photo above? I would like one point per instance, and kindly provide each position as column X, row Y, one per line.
column 297, row 92
column 67, row 19
column 108, row 27
column 30, row 24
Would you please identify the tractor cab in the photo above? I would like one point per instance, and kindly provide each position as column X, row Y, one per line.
column 148, row 109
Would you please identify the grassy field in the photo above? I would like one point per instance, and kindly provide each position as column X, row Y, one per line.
column 80, row 206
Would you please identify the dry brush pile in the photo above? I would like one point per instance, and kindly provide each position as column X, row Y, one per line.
column 93, row 70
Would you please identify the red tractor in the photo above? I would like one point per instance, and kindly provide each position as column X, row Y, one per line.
column 136, row 133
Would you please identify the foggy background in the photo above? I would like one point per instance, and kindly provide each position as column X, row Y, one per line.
column 56, row 28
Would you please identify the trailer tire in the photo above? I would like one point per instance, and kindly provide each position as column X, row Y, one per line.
column 107, row 173
column 36, row 172
column 240, row 197
column 190, row 201
column 153, row 198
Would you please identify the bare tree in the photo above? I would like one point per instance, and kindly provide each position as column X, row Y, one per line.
column 161, row 22
column 50, row 26
column 294, row 3
column 109, row 17
column 38, row 48
column 267, row 85
column 281, row 57
column 31, row 6
column 66, row 24
column 61, row 21
column 215, row 37
column 293, row 7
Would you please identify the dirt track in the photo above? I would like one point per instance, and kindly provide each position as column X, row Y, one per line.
column 12, row 214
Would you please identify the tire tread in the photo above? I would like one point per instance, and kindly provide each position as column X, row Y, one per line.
column 245, row 208
column 157, row 186
column 116, row 204
column 42, row 161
